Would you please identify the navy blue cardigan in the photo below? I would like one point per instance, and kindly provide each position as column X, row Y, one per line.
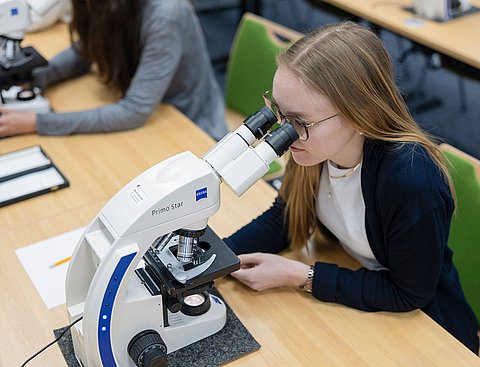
column 408, row 207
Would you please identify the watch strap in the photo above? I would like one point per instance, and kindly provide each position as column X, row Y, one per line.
column 308, row 287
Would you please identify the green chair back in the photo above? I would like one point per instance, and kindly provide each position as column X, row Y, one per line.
column 464, row 237
column 252, row 63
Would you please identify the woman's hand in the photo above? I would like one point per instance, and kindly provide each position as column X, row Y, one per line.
column 17, row 122
column 262, row 271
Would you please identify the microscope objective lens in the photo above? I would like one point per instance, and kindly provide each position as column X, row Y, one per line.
column 185, row 249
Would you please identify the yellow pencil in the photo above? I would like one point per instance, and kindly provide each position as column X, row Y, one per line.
column 60, row 262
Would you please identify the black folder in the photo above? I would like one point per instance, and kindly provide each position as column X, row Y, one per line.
column 27, row 173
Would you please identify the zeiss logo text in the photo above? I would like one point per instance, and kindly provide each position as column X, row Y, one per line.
column 14, row 11
column 201, row 194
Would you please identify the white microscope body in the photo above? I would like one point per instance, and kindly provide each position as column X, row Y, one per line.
column 133, row 269
column 440, row 10
column 16, row 63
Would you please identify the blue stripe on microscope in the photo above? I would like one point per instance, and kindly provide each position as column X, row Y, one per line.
column 104, row 340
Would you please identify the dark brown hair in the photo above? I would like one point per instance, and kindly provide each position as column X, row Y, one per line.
column 109, row 36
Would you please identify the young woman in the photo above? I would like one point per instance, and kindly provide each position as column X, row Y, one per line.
column 147, row 51
column 363, row 171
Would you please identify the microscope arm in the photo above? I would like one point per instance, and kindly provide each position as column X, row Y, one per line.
column 16, row 62
column 17, row 15
column 15, row 18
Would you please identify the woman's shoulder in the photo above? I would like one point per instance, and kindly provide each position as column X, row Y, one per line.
column 404, row 166
column 167, row 16
column 403, row 179
column 167, row 9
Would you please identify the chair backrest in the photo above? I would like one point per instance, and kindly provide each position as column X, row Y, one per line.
column 464, row 237
column 251, row 65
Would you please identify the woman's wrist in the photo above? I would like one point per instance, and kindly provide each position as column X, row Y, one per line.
column 308, row 286
column 299, row 273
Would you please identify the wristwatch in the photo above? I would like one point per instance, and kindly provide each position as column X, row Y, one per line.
column 308, row 285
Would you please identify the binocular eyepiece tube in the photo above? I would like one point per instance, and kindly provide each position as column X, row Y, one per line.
column 237, row 162
column 281, row 139
column 260, row 122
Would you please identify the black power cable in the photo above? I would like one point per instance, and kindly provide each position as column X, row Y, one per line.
column 51, row 343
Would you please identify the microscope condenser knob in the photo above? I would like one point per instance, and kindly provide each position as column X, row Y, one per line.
column 147, row 349
column 173, row 305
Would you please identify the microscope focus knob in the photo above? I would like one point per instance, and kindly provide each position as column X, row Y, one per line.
column 147, row 349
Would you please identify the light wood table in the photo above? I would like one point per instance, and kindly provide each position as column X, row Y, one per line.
column 293, row 328
column 457, row 38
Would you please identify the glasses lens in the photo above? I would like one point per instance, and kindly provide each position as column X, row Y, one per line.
column 267, row 98
column 299, row 127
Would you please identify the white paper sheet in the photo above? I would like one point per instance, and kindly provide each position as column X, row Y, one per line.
column 38, row 258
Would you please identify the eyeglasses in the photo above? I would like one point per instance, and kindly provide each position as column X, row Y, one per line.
column 300, row 126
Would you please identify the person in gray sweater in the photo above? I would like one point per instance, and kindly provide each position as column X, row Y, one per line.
column 147, row 51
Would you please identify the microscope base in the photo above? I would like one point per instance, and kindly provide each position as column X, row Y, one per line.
column 183, row 331
column 38, row 104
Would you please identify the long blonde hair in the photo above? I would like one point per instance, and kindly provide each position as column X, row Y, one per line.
column 348, row 64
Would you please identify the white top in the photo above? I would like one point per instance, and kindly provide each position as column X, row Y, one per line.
column 341, row 208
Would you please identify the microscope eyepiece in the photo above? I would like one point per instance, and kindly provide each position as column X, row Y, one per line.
column 260, row 122
column 281, row 139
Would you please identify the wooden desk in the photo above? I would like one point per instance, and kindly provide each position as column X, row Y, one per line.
column 457, row 38
column 293, row 328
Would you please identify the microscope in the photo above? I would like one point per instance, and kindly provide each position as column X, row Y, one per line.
column 141, row 272
column 440, row 10
column 16, row 62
